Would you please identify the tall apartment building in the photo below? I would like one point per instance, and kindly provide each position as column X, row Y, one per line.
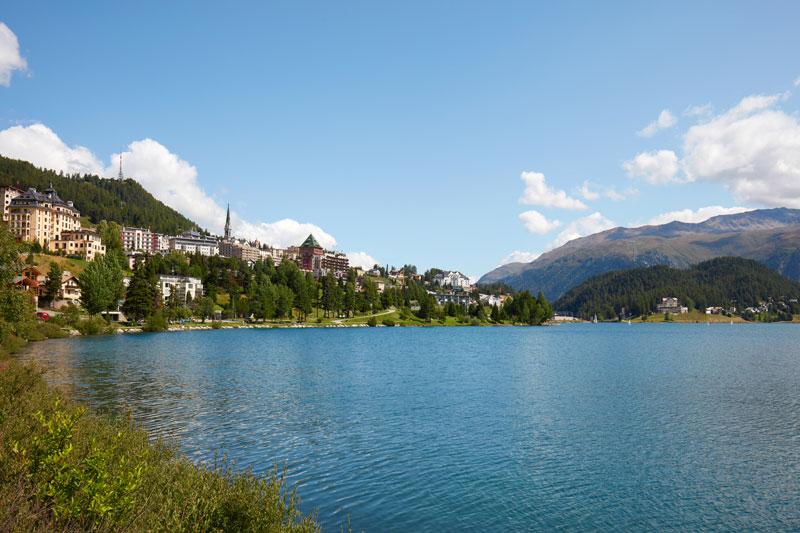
column 41, row 216
column 8, row 193
column 240, row 249
column 143, row 240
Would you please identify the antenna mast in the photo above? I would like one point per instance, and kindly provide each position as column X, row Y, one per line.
column 121, row 177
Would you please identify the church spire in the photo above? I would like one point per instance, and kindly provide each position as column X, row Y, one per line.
column 228, row 224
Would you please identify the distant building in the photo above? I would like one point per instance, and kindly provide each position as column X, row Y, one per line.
column 41, row 216
column 671, row 305
column 8, row 193
column 458, row 298
column 188, row 288
column 318, row 261
column 491, row 300
column 451, row 278
column 144, row 240
column 240, row 249
column 83, row 242
column 192, row 241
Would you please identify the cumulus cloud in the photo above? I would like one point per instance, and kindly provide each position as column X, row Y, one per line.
column 537, row 192
column 361, row 259
column 656, row 167
column 698, row 110
column 518, row 256
column 753, row 149
column 797, row 82
column 665, row 120
column 588, row 194
column 535, row 222
column 166, row 176
column 582, row 227
column 41, row 146
column 700, row 215
column 10, row 59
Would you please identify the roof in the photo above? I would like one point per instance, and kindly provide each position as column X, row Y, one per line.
column 311, row 241
column 34, row 197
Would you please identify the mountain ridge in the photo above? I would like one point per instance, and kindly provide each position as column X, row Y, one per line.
column 770, row 236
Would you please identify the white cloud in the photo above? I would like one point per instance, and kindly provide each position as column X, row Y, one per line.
column 538, row 193
column 10, row 60
column 283, row 233
column 582, row 227
column 40, row 145
column 361, row 259
column 535, row 222
column 797, row 82
column 702, row 214
column 656, row 167
column 665, row 120
column 698, row 110
column 613, row 195
column 588, row 194
column 753, row 149
column 519, row 257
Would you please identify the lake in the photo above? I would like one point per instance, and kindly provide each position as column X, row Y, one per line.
column 582, row 427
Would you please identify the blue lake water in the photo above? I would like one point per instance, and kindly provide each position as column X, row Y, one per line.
column 581, row 427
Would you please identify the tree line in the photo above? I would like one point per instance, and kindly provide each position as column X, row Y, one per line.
column 721, row 282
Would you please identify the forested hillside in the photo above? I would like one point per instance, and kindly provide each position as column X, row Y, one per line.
column 125, row 202
column 723, row 282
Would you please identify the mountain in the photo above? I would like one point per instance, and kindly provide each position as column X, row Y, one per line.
column 123, row 201
column 719, row 282
column 770, row 236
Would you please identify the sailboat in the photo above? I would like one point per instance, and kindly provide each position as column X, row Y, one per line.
column 594, row 320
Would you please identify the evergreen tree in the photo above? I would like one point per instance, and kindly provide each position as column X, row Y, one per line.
column 142, row 293
column 52, row 286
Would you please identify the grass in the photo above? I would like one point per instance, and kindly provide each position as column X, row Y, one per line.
column 63, row 469
column 74, row 266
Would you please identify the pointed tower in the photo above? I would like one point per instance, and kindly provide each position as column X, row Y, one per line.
column 228, row 224
column 121, row 177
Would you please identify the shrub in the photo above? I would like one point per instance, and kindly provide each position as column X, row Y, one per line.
column 388, row 322
column 155, row 322
column 92, row 326
column 372, row 322
column 216, row 324
column 70, row 315
column 474, row 322
column 51, row 331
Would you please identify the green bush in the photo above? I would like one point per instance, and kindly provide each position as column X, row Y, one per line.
column 474, row 322
column 155, row 322
column 70, row 315
column 51, row 331
column 216, row 324
column 92, row 326
column 388, row 322
column 372, row 322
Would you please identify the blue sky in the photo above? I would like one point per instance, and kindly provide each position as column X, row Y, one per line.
column 410, row 131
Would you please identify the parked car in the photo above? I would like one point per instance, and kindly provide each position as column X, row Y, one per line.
column 42, row 315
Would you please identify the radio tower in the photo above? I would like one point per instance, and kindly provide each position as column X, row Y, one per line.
column 121, row 177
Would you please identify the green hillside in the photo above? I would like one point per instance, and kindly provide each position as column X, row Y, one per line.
column 125, row 202
column 723, row 282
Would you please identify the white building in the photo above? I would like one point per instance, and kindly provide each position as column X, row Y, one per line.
column 451, row 278
column 491, row 300
column 186, row 287
column 191, row 241
column 144, row 240
column 671, row 305
column 8, row 193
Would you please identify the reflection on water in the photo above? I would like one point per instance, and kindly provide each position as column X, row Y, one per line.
column 585, row 427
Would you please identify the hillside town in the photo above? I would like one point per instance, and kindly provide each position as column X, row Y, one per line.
column 52, row 226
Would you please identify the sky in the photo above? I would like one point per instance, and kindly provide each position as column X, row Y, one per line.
column 457, row 135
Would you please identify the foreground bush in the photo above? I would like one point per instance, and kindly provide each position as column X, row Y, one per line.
column 388, row 322
column 155, row 322
column 62, row 469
